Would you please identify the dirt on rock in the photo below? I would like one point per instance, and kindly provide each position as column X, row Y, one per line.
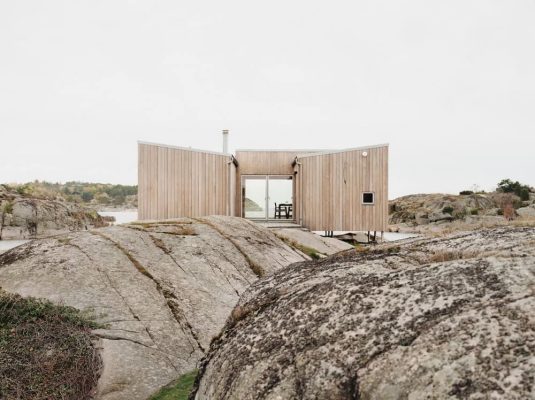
column 443, row 318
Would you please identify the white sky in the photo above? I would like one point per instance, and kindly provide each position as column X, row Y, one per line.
column 449, row 84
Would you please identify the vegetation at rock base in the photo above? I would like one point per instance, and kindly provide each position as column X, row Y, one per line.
column 79, row 192
column 8, row 208
column 178, row 390
column 309, row 251
column 46, row 351
column 447, row 210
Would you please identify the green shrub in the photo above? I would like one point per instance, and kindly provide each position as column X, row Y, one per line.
column 448, row 210
column 474, row 211
column 500, row 211
column 508, row 186
column 466, row 192
column 87, row 196
column 25, row 190
column 8, row 208
column 524, row 193
column 178, row 390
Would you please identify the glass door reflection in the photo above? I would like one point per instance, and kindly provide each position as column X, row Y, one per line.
column 254, row 197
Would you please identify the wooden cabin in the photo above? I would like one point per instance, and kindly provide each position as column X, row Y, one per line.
column 322, row 190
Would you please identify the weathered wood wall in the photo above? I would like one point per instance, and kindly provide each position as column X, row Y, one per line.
column 176, row 182
column 330, row 187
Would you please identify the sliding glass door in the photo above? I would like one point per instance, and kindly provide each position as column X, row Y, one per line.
column 254, row 196
column 267, row 197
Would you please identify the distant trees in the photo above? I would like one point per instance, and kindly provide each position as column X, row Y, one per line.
column 79, row 192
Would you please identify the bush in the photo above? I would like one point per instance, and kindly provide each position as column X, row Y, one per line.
column 474, row 211
column 447, row 210
column 87, row 196
column 8, row 208
column 508, row 186
column 25, row 190
column 466, row 193
column 46, row 351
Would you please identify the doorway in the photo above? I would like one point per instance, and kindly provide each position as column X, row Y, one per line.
column 267, row 197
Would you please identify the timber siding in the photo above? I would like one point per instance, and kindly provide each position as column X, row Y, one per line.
column 330, row 187
column 176, row 182
column 327, row 185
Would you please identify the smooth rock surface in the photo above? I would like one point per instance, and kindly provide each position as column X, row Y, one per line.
column 527, row 211
column 163, row 289
column 431, row 319
column 323, row 245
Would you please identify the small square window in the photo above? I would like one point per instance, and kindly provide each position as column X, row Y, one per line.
column 368, row 198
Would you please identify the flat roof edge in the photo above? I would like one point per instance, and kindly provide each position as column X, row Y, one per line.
column 284, row 150
column 375, row 146
column 184, row 148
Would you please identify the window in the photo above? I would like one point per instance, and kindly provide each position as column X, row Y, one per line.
column 368, row 198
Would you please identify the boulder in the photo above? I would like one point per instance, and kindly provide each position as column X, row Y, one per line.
column 526, row 212
column 161, row 290
column 444, row 318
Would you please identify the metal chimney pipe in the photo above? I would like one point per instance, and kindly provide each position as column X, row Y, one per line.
column 225, row 141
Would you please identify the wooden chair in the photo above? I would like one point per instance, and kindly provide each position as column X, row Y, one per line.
column 277, row 211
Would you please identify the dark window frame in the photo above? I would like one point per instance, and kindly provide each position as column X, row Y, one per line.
column 368, row 203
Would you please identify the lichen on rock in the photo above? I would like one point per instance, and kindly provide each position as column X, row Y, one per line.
column 443, row 318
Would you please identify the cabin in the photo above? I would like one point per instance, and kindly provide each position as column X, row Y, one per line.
column 322, row 190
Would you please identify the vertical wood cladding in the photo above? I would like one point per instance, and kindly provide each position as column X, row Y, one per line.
column 175, row 182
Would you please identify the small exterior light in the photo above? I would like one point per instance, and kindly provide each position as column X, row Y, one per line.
column 364, row 154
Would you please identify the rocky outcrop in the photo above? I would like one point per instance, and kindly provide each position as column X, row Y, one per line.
column 432, row 213
column 23, row 217
column 442, row 318
column 424, row 208
column 162, row 290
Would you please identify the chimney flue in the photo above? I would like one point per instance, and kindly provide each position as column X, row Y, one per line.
column 225, row 141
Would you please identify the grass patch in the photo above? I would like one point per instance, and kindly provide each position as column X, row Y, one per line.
column 64, row 240
column 46, row 350
column 309, row 251
column 176, row 228
column 8, row 207
column 177, row 390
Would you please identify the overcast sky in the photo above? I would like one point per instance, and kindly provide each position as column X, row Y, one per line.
column 449, row 84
